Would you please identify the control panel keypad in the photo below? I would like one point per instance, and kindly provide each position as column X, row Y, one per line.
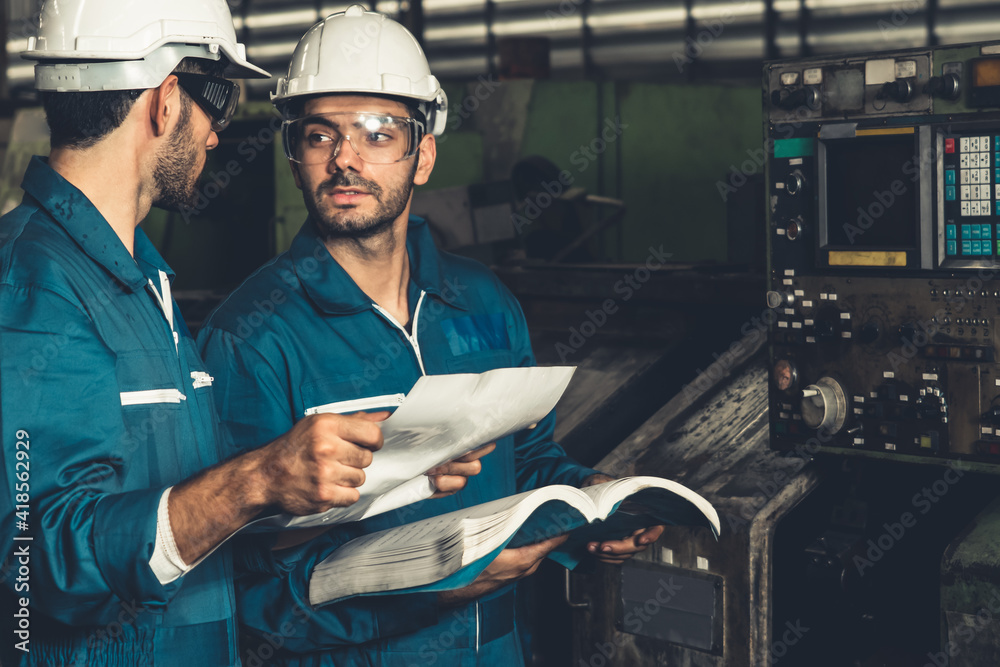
column 972, row 190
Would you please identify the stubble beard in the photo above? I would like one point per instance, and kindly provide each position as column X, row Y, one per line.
column 175, row 173
column 342, row 223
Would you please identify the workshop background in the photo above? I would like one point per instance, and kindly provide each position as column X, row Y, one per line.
column 607, row 159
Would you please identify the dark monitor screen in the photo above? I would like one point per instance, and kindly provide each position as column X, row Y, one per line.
column 872, row 192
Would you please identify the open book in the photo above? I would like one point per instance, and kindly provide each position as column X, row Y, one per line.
column 449, row 551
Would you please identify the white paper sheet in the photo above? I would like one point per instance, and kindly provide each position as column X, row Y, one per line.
column 442, row 418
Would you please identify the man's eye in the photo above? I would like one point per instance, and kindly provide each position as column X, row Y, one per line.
column 317, row 138
column 378, row 137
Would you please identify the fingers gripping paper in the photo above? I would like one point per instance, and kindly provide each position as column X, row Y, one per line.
column 443, row 417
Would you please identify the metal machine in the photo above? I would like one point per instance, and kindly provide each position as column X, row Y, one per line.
column 883, row 183
column 884, row 231
column 858, row 491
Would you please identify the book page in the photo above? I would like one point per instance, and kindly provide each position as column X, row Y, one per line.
column 423, row 531
column 664, row 493
column 634, row 503
column 428, row 550
column 442, row 418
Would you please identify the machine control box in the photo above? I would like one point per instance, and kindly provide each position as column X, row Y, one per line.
column 883, row 179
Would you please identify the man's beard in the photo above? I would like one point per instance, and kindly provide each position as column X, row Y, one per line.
column 176, row 182
column 390, row 206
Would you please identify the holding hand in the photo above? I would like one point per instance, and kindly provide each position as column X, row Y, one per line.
column 319, row 464
column 616, row 552
column 452, row 477
column 509, row 566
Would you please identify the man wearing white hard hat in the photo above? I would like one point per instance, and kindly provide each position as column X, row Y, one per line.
column 360, row 327
column 113, row 500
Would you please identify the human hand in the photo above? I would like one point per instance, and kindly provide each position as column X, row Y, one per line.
column 616, row 552
column 452, row 477
column 510, row 566
column 599, row 478
column 319, row 463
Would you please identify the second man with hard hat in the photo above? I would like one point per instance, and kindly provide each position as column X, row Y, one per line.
column 381, row 307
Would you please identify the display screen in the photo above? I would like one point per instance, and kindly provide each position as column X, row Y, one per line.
column 986, row 72
column 872, row 187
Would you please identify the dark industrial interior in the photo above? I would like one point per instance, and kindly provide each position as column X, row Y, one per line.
column 662, row 186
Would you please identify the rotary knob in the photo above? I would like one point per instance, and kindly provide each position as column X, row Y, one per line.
column 900, row 90
column 870, row 332
column 947, row 86
column 824, row 405
column 795, row 183
column 779, row 299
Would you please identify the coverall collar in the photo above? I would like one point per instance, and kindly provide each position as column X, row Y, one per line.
column 333, row 290
column 71, row 209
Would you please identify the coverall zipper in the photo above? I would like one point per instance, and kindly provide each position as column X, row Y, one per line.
column 411, row 339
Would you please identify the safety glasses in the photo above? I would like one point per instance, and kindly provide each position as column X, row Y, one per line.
column 217, row 97
column 376, row 138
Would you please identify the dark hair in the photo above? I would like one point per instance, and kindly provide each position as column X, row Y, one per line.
column 81, row 119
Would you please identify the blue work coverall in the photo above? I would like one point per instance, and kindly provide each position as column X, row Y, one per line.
column 101, row 409
column 300, row 334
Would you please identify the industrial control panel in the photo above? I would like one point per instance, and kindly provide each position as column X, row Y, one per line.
column 883, row 179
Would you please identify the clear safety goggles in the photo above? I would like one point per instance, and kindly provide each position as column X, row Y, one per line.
column 217, row 97
column 376, row 138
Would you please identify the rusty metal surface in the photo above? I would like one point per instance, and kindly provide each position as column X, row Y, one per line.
column 715, row 441
column 970, row 593
column 599, row 375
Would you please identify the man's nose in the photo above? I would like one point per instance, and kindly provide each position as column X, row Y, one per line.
column 345, row 156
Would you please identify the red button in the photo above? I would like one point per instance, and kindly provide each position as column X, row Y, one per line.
column 949, row 145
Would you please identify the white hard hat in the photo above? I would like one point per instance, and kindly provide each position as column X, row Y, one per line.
column 130, row 44
column 358, row 51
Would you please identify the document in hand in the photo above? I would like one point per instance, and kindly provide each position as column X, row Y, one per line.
column 450, row 551
column 442, row 418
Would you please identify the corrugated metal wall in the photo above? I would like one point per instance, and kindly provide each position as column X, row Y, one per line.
column 702, row 40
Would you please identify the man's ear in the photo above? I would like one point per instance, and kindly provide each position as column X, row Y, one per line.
column 426, row 158
column 164, row 105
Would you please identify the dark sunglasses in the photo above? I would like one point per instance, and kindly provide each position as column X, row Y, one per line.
column 218, row 97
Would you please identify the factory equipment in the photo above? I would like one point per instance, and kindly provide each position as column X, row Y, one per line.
column 857, row 495
column 883, row 190
column 884, row 236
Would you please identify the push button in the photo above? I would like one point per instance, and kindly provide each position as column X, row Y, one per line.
column 949, row 145
column 949, row 232
column 966, row 247
column 949, row 192
column 951, row 247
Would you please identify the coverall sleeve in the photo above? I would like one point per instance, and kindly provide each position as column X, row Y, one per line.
column 59, row 396
column 273, row 586
column 538, row 459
